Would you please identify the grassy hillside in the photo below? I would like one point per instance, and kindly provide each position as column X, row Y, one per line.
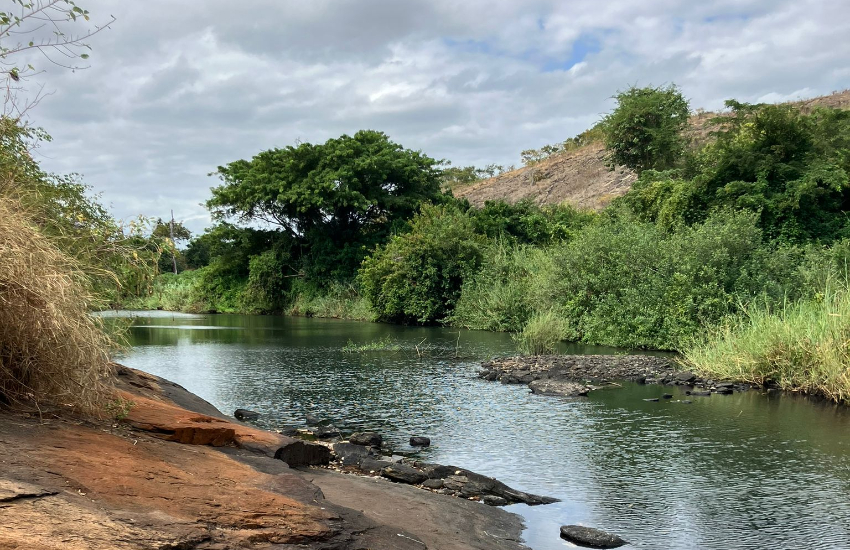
column 581, row 177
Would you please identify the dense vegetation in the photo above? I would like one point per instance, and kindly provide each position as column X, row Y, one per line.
column 750, row 218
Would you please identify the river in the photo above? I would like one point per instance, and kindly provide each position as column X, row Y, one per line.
column 748, row 470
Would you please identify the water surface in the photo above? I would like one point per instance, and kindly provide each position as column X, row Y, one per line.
column 749, row 470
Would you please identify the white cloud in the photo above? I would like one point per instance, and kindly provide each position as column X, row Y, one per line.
column 176, row 89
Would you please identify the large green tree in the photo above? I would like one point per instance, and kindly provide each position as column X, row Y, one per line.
column 346, row 184
column 645, row 130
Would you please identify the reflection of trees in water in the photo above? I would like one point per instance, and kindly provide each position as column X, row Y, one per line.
column 727, row 468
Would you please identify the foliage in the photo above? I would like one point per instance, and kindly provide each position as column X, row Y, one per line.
column 543, row 332
column 382, row 344
column 417, row 276
column 51, row 349
column 43, row 26
column 644, row 132
column 789, row 167
column 455, row 176
column 338, row 301
column 800, row 346
column 507, row 289
column 343, row 196
column 527, row 223
column 117, row 259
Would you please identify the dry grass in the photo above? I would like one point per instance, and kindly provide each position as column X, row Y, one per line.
column 51, row 350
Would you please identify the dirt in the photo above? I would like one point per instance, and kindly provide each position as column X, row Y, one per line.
column 167, row 477
column 581, row 177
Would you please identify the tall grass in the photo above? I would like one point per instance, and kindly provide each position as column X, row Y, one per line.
column 340, row 301
column 802, row 347
column 51, row 349
column 542, row 333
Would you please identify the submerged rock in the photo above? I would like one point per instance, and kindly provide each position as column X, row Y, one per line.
column 245, row 414
column 588, row 536
column 418, row 441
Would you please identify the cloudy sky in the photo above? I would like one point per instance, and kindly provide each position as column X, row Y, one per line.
column 177, row 88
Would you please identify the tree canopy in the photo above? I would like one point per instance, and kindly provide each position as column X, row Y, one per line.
column 645, row 130
column 345, row 185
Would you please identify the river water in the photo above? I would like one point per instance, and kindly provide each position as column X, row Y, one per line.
column 749, row 470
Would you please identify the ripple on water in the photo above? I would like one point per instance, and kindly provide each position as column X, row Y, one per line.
column 739, row 471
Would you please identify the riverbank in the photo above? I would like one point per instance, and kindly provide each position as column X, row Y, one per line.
column 173, row 472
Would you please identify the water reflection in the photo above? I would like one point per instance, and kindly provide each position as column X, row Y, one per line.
column 740, row 471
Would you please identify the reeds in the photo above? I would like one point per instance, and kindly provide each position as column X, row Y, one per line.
column 802, row 347
column 51, row 350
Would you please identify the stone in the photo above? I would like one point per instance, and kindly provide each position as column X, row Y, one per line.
column 493, row 500
column 402, row 473
column 686, row 377
column 652, row 400
column 701, row 393
column 350, row 454
column 302, row 453
column 418, row 441
column 724, row 391
column 667, row 396
column 325, row 432
column 245, row 414
column 371, row 465
column 433, row 483
column 559, row 387
column 312, row 420
column 588, row 536
column 369, row 439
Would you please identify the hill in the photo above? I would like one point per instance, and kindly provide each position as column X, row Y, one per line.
column 581, row 177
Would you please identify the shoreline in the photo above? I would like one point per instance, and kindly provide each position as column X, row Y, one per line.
column 174, row 472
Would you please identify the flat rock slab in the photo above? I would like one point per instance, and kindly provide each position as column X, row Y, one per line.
column 590, row 537
column 561, row 388
column 13, row 490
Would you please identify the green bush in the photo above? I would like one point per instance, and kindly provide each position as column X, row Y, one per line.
column 417, row 276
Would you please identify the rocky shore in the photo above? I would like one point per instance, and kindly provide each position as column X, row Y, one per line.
column 577, row 375
column 171, row 472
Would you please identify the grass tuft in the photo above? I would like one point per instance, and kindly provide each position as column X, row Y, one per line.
column 51, row 349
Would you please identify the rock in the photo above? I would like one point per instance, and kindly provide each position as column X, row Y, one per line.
column 686, row 377
column 558, row 387
column 493, row 500
column 652, row 400
column 245, row 414
column 684, row 401
column 701, row 393
column 724, row 391
column 667, row 396
column 588, row 536
column 350, row 454
column 369, row 439
column 290, row 431
column 325, row 432
column 418, row 441
column 371, row 465
column 433, row 483
column 402, row 473
column 302, row 453
column 312, row 420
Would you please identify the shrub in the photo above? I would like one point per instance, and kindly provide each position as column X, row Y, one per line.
column 417, row 276
column 51, row 349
